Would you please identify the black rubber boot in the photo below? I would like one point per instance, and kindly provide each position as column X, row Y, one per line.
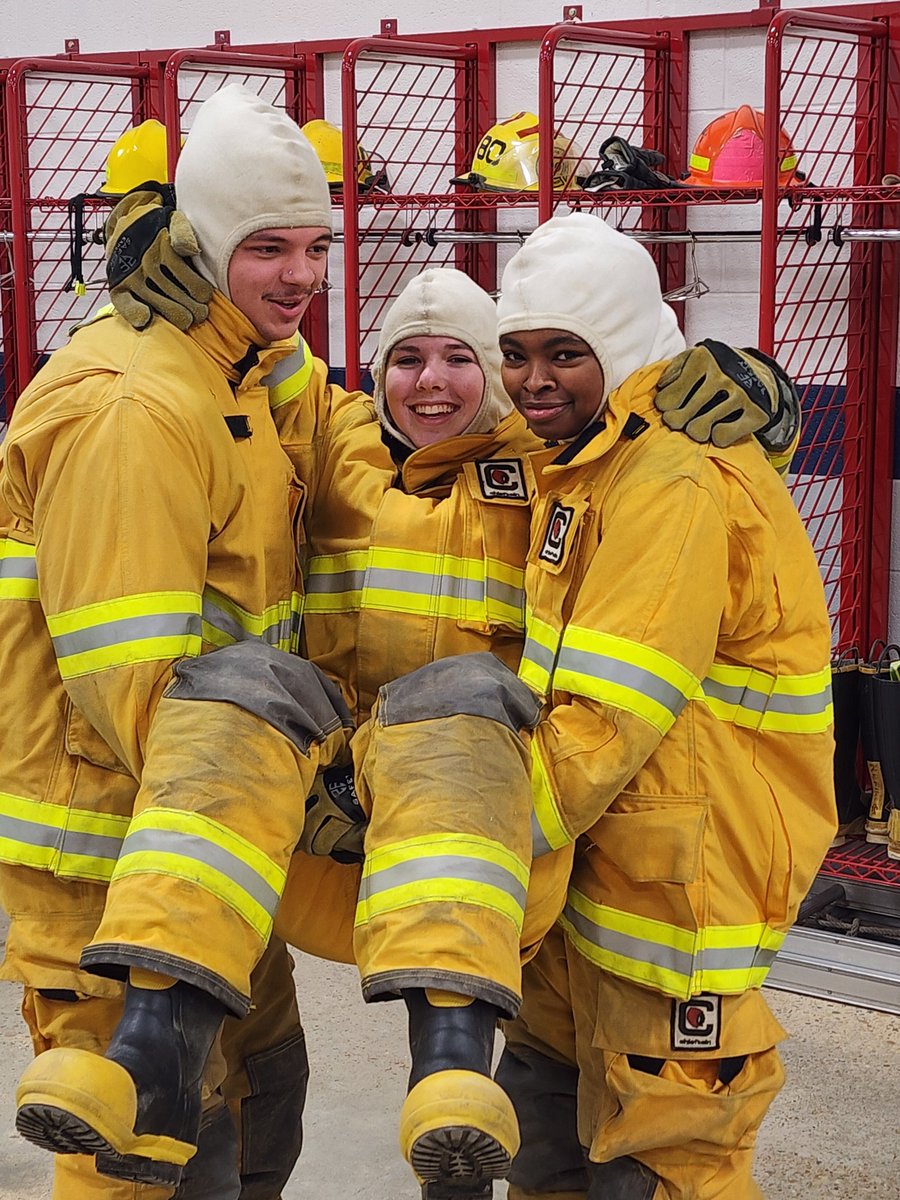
column 874, row 679
column 621, row 1179
column 449, row 1039
column 163, row 1041
column 458, row 1128
column 138, row 1106
column 875, row 793
column 886, row 715
column 544, row 1092
column 851, row 802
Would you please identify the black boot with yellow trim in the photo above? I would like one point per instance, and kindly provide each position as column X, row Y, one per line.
column 458, row 1128
column 137, row 1108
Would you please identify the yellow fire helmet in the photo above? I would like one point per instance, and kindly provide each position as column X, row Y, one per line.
column 506, row 159
column 327, row 141
column 138, row 155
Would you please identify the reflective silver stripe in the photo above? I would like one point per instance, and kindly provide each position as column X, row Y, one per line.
column 335, row 581
column 18, row 567
column 683, row 963
column 539, row 654
column 286, row 367
column 279, row 631
column 127, row 629
column 539, row 843
column 614, row 670
column 392, row 579
column 505, row 593
column 224, row 621
column 92, row 845
column 734, row 958
column 762, row 703
column 192, row 848
column 65, row 841
column 29, row 833
column 637, row 949
column 442, row 866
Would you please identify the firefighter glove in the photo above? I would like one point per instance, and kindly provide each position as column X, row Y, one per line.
column 149, row 244
column 716, row 394
column 335, row 822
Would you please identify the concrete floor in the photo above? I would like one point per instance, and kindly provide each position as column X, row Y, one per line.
column 831, row 1134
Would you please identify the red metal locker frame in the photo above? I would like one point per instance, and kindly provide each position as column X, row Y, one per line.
column 656, row 117
column 302, row 100
column 8, row 381
column 834, row 88
column 459, row 65
column 655, row 103
column 25, row 204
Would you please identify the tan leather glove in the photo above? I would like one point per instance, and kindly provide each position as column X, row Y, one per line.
column 149, row 245
column 335, row 823
column 716, row 394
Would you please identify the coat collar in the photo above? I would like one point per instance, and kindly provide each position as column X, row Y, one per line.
column 629, row 411
column 432, row 463
column 233, row 344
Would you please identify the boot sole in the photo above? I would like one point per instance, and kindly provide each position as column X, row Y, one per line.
column 76, row 1102
column 459, row 1153
column 59, row 1131
column 458, row 1132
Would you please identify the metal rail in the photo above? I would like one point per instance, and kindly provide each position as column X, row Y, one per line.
column 836, row 967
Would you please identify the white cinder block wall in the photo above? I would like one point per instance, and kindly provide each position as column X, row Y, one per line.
column 726, row 70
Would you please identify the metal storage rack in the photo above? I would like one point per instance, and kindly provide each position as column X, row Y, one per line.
column 829, row 258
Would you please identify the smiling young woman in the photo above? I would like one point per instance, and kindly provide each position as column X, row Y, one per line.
column 434, row 388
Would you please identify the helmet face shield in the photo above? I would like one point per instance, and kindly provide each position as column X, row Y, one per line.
column 506, row 158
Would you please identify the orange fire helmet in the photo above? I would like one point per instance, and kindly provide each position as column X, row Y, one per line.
column 729, row 152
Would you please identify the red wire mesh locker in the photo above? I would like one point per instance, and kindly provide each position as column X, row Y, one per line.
column 595, row 82
column 62, row 119
column 8, row 386
column 828, row 299
column 413, row 109
column 285, row 81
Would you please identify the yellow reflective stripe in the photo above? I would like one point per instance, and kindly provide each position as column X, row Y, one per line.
column 225, row 622
column 18, row 570
column 624, row 674
column 290, row 376
column 698, row 162
column 775, row 703
column 680, row 962
column 334, row 582
column 193, row 847
column 449, row 868
column 148, row 627
column 538, row 654
column 73, row 843
column 389, row 579
column 413, row 581
column 549, row 832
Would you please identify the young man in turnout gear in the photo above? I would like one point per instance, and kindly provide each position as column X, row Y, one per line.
column 266, row 1069
column 159, row 736
column 679, row 643
column 361, row 477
